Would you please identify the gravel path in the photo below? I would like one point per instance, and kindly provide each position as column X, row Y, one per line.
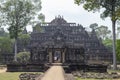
column 54, row 73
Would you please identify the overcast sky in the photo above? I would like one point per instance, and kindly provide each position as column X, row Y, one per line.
column 71, row 13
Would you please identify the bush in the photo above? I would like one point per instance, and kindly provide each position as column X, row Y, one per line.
column 118, row 50
column 23, row 57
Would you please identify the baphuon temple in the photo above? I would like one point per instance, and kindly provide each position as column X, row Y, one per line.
column 64, row 42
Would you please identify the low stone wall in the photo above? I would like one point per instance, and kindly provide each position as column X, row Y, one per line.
column 29, row 76
column 26, row 68
column 88, row 68
column 95, row 75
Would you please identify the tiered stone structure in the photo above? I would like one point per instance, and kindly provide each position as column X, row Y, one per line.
column 63, row 42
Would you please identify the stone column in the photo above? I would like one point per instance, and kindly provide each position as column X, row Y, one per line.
column 63, row 57
column 50, row 57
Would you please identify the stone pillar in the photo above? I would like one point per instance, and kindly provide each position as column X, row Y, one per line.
column 63, row 57
column 50, row 57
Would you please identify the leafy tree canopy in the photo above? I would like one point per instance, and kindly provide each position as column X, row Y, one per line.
column 94, row 26
column 108, row 43
column 109, row 6
column 101, row 31
column 17, row 14
column 41, row 17
column 25, row 39
column 6, row 45
column 3, row 33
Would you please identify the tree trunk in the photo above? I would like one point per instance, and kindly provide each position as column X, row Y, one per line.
column 15, row 56
column 114, row 45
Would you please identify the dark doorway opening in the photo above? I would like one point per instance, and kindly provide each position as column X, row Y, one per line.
column 57, row 56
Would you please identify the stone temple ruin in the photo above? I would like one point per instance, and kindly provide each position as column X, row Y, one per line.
column 59, row 41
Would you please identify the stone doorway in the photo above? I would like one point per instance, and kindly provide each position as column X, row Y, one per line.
column 57, row 56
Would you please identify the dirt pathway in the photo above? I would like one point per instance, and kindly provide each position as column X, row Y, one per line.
column 3, row 70
column 54, row 73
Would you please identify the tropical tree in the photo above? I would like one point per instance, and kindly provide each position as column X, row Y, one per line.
column 111, row 9
column 94, row 26
column 17, row 14
column 103, row 32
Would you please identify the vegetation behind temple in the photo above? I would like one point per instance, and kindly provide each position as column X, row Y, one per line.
column 7, row 45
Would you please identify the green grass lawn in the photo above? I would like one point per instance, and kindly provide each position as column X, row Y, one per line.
column 11, row 75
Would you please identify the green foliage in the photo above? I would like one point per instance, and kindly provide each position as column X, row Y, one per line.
column 6, row 45
column 108, row 43
column 118, row 32
column 24, row 36
column 1, row 19
column 13, row 75
column 118, row 50
column 111, row 7
column 3, row 33
column 103, row 32
column 90, row 5
column 94, row 26
column 23, row 57
column 25, row 39
column 41, row 17
column 118, row 29
column 17, row 15
column 38, row 28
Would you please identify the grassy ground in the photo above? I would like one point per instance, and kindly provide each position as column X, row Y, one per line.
column 15, row 75
column 10, row 76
